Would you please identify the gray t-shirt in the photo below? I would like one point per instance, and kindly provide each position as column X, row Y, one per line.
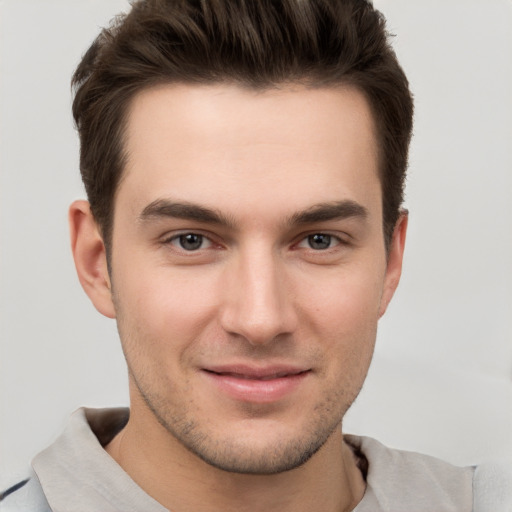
column 75, row 474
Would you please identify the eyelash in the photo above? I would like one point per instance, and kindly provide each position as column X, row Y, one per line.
column 331, row 238
column 178, row 240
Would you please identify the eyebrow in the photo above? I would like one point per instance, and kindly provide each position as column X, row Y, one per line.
column 162, row 208
column 322, row 212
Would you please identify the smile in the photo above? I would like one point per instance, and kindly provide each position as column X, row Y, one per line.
column 263, row 385
column 264, row 377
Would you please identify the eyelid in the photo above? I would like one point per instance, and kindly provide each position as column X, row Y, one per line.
column 341, row 239
column 173, row 236
column 206, row 243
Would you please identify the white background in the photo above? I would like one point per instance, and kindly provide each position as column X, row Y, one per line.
column 441, row 380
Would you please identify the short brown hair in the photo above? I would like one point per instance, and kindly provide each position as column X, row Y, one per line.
column 254, row 43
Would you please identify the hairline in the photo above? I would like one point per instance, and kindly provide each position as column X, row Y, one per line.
column 292, row 84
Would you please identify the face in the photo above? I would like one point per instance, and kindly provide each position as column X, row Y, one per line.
column 249, row 268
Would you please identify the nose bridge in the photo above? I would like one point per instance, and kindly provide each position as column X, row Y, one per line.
column 257, row 304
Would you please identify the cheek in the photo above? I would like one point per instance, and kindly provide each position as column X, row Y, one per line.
column 161, row 309
column 345, row 300
column 342, row 314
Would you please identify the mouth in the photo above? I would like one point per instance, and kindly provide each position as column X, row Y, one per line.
column 263, row 376
column 258, row 385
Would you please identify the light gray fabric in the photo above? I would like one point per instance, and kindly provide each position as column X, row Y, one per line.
column 493, row 486
column 28, row 498
column 77, row 475
column 400, row 481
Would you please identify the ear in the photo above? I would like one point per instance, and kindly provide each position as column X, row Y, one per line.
column 394, row 264
column 90, row 257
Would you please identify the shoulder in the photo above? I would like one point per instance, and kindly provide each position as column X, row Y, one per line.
column 24, row 496
column 493, row 485
column 399, row 480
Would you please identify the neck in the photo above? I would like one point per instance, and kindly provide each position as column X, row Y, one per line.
column 328, row 482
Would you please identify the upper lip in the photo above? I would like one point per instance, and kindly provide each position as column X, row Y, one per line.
column 244, row 371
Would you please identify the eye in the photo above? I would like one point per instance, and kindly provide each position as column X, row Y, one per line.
column 190, row 241
column 320, row 241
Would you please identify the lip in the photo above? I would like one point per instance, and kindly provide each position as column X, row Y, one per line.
column 256, row 384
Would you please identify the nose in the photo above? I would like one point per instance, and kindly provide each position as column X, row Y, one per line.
column 257, row 300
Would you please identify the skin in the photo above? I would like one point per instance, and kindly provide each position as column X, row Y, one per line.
column 279, row 192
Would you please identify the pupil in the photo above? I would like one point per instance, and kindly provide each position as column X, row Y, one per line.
column 191, row 241
column 319, row 241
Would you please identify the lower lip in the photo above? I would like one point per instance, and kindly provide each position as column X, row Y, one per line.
column 256, row 391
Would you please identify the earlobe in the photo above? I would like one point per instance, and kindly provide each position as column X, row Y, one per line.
column 90, row 257
column 394, row 263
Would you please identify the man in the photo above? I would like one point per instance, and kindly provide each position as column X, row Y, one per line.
column 244, row 165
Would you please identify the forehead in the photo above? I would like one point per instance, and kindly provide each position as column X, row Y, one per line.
column 226, row 147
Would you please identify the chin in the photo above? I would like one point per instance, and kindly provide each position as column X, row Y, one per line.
column 243, row 457
column 254, row 446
